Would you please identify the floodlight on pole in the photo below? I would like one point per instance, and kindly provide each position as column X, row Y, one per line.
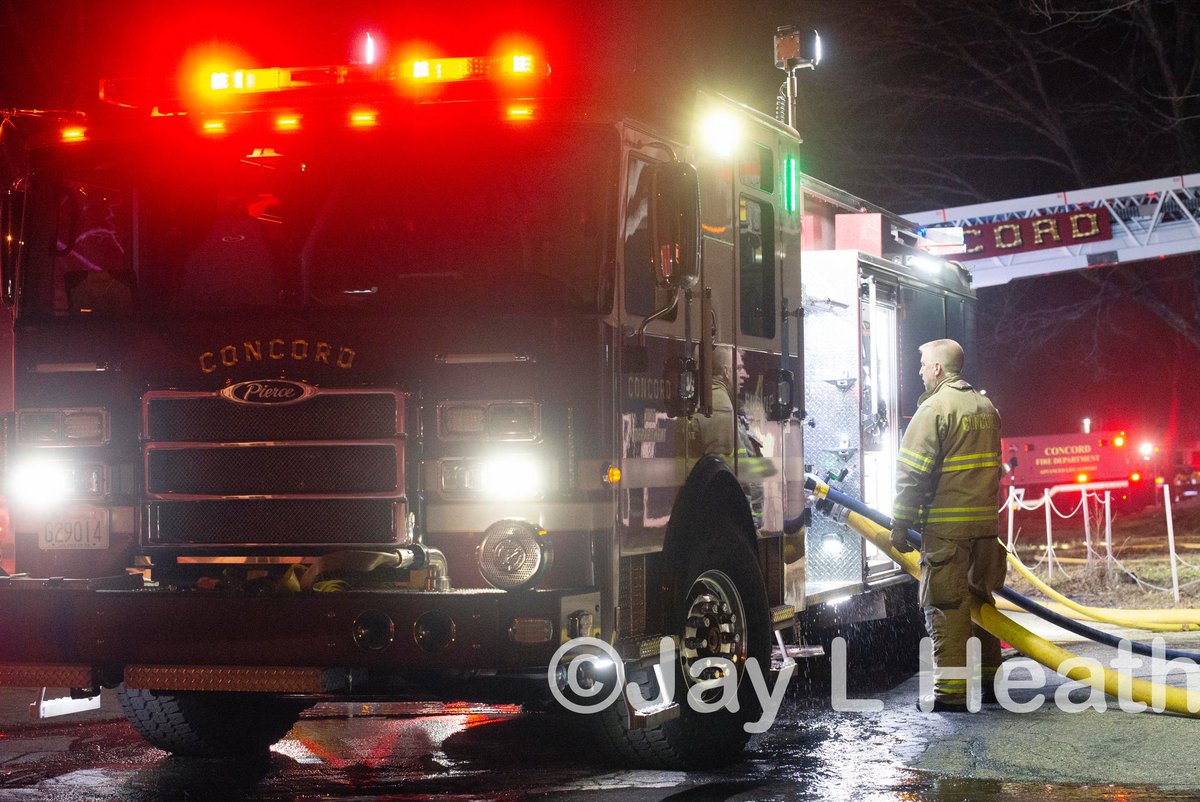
column 795, row 49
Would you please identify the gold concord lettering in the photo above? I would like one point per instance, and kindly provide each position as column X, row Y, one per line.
column 248, row 352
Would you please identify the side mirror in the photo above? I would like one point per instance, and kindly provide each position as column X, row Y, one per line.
column 11, row 219
column 679, row 378
column 675, row 226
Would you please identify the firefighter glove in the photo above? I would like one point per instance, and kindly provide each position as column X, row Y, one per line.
column 900, row 538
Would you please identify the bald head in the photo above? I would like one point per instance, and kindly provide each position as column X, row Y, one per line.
column 948, row 352
column 723, row 362
column 940, row 358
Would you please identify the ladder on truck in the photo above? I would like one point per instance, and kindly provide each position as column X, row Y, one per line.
column 1145, row 220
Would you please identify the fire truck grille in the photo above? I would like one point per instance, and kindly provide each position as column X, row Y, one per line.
column 273, row 521
column 323, row 471
column 259, row 470
column 326, row 416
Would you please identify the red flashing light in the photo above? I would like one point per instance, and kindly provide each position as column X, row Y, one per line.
column 520, row 112
column 213, row 127
column 1119, row 441
column 522, row 63
column 287, row 122
column 1081, row 478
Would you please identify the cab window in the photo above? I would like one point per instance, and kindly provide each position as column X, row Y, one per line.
column 642, row 294
column 756, row 267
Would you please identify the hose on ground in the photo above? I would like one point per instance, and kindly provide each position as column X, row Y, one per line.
column 852, row 504
column 1093, row 613
column 1153, row 695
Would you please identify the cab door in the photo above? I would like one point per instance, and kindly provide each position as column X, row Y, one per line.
column 750, row 240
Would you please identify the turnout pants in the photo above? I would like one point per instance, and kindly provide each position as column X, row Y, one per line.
column 953, row 570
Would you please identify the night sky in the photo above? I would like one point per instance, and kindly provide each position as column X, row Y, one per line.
column 885, row 117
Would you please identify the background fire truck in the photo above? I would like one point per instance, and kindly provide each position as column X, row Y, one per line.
column 1130, row 469
column 393, row 378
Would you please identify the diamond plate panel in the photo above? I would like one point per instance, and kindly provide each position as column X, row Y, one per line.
column 45, row 676
column 227, row 678
column 832, row 440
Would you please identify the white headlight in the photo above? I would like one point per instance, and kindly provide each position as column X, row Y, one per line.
column 86, row 426
column 496, row 421
column 511, row 477
column 41, row 483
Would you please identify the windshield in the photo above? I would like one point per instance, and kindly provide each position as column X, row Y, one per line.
column 511, row 216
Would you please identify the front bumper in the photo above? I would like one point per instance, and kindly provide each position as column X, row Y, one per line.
column 69, row 627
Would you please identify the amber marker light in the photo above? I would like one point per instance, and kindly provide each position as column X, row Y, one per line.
column 287, row 122
column 613, row 475
column 213, row 127
column 74, row 134
column 1083, row 477
column 363, row 118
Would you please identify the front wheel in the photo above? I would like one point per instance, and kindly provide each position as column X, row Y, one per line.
column 721, row 615
column 207, row 724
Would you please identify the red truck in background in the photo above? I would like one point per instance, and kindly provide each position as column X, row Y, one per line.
column 1038, row 462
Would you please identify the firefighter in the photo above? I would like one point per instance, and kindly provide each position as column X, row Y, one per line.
column 716, row 434
column 729, row 428
column 948, row 480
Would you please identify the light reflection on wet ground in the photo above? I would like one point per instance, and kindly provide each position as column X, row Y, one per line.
column 431, row 751
column 420, row 752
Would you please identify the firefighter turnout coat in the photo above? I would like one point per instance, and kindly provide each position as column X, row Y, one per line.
column 948, row 471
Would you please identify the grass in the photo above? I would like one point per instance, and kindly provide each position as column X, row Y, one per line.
column 1139, row 543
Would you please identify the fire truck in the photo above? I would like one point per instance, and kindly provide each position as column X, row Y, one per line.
column 1100, row 461
column 375, row 380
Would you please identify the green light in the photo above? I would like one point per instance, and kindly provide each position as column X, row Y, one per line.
column 790, row 184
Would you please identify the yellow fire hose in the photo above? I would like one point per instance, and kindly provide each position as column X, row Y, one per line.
column 1151, row 620
column 987, row 616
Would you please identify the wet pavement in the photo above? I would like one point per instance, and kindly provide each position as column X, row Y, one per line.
column 416, row 751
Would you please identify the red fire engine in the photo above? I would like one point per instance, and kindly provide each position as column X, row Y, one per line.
column 1107, row 460
column 395, row 379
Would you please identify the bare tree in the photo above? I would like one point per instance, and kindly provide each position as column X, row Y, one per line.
column 966, row 102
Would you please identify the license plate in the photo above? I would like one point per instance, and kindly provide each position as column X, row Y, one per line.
column 75, row 529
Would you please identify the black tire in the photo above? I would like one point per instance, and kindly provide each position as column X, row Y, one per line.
column 700, row 740
column 209, row 724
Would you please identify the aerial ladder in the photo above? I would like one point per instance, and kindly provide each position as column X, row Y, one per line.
column 1044, row 234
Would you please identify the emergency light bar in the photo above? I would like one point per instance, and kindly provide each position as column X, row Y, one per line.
column 406, row 76
column 417, row 71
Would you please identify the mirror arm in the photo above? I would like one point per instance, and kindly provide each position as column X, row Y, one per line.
column 666, row 310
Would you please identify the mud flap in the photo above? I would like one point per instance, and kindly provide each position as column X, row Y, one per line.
column 45, row 707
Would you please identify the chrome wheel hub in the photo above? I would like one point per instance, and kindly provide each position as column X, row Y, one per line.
column 714, row 626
